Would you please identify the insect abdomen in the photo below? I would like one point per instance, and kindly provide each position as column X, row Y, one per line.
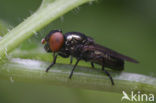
column 113, row 63
column 116, row 64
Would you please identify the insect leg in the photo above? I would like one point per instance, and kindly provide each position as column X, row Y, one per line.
column 92, row 64
column 71, row 59
column 74, row 68
column 107, row 73
column 54, row 61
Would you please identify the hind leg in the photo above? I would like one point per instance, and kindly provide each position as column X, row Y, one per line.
column 107, row 73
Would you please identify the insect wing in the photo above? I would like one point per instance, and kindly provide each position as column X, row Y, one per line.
column 110, row 52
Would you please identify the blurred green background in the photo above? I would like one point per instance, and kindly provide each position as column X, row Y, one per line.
column 123, row 25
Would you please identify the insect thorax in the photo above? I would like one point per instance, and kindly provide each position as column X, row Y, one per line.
column 72, row 39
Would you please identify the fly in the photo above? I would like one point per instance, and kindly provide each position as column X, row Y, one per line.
column 82, row 47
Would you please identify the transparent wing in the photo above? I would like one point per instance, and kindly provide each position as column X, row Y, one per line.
column 111, row 53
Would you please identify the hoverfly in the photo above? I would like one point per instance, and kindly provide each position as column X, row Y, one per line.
column 82, row 47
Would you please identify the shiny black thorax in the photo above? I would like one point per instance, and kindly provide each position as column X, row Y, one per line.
column 73, row 44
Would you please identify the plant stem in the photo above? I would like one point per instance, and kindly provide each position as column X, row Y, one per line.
column 48, row 12
column 34, row 71
column 3, row 27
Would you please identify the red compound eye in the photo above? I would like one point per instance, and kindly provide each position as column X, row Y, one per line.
column 56, row 41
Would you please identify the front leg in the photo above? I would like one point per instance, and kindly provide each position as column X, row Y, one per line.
column 54, row 61
column 74, row 68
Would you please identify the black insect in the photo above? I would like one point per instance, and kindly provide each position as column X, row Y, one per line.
column 82, row 47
